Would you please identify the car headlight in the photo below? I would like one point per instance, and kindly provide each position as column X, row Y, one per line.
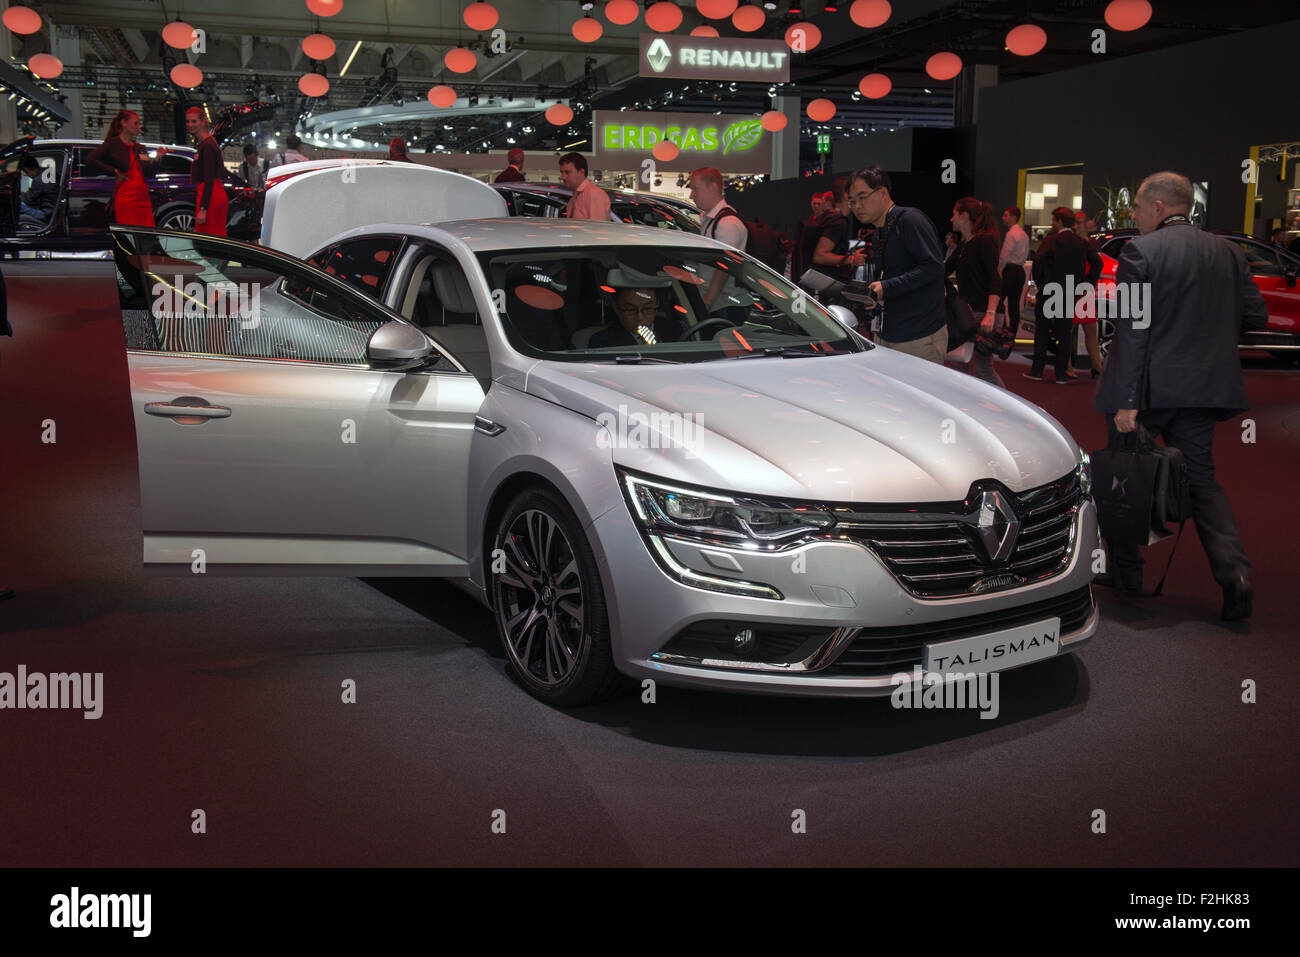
column 1085, row 473
column 721, row 519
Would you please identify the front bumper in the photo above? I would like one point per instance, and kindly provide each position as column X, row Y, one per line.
column 837, row 588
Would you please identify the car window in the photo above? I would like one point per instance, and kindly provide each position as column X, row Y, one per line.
column 660, row 303
column 643, row 214
column 199, row 296
column 1260, row 260
column 364, row 263
column 1115, row 245
column 530, row 204
column 178, row 163
column 79, row 168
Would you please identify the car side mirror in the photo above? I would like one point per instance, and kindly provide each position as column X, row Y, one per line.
column 396, row 346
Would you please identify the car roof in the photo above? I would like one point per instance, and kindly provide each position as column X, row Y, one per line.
column 530, row 232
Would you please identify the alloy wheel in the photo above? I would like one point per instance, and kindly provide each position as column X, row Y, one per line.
column 182, row 222
column 540, row 606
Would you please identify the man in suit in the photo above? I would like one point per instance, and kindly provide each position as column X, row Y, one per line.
column 514, row 173
column 1175, row 369
column 1061, row 266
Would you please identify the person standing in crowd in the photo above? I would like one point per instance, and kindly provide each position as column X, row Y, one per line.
column 1062, row 257
column 975, row 264
column 37, row 203
column 124, row 154
column 589, row 201
column 1279, row 238
column 252, row 171
column 1011, row 265
column 292, row 153
column 718, row 221
column 950, row 242
column 1177, row 371
column 514, row 173
column 799, row 260
column 207, row 170
column 397, row 150
column 831, row 256
column 810, row 234
column 1084, row 228
column 906, row 254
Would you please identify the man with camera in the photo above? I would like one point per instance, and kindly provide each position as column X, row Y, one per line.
column 1175, row 370
column 906, row 255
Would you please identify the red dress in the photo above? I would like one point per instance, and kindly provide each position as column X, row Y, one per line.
column 131, row 205
column 206, row 172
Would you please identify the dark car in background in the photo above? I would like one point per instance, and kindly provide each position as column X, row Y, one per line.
column 79, row 222
column 1274, row 271
column 626, row 206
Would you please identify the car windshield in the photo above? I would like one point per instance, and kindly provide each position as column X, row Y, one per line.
column 655, row 303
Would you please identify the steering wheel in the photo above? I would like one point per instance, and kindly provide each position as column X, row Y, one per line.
column 705, row 323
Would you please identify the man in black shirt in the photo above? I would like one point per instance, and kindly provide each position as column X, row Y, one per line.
column 906, row 252
column 831, row 255
column 1063, row 264
column 37, row 204
column 639, row 322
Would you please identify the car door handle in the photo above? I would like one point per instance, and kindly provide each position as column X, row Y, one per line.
column 179, row 409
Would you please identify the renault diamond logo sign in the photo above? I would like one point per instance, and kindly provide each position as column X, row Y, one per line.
column 996, row 523
column 659, row 56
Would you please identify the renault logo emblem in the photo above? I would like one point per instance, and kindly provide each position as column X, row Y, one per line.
column 658, row 54
column 996, row 523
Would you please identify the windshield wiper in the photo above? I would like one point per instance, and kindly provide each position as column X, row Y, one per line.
column 785, row 352
column 635, row 357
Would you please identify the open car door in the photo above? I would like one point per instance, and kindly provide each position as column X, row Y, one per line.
column 11, row 174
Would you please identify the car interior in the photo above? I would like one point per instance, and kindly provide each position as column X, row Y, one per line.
column 440, row 301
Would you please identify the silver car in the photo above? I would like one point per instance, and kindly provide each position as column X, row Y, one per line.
column 649, row 455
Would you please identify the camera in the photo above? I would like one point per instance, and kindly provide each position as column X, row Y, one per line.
column 998, row 343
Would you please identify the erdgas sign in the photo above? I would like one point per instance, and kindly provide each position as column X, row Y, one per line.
column 714, row 58
column 734, row 143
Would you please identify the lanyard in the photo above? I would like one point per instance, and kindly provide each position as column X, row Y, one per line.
column 1176, row 218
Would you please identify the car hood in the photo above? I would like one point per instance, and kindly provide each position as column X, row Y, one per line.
column 877, row 426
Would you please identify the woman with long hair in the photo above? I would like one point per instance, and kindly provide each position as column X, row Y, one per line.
column 975, row 264
column 210, row 206
column 124, row 154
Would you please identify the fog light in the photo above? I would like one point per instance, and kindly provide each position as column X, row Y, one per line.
column 742, row 640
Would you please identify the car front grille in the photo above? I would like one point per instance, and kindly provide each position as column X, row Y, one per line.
column 940, row 554
column 885, row 651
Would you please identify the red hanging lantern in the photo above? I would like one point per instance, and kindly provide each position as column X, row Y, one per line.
column 186, row 75
column 588, row 29
column 559, row 115
column 313, row 84
column 442, row 97
column 704, row 30
column 943, row 66
column 178, row 35
column 803, row 36
column 663, row 16
column 716, row 9
column 774, row 121
column 820, row 110
column 870, row 13
column 665, row 151
column 1026, row 39
column 460, row 60
column 622, row 12
column 45, row 66
column 318, row 46
column 1127, row 15
column 748, row 18
column 24, row 20
column 325, row 8
column 874, row 86
column 481, row 16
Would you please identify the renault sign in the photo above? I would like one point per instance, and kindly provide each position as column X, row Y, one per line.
column 735, row 143
column 714, row 58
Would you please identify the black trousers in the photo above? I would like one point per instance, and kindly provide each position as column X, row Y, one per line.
column 1055, row 333
column 1191, row 431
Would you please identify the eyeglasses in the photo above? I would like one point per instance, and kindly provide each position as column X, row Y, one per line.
column 863, row 197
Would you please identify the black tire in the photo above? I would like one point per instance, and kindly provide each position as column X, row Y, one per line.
column 547, row 563
column 180, row 218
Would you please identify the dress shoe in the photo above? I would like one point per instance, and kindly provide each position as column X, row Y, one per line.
column 1238, row 599
column 1122, row 583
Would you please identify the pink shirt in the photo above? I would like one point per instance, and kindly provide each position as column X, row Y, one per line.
column 589, row 202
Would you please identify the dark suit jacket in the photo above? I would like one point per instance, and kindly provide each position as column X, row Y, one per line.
column 509, row 175
column 1201, row 299
column 1063, row 254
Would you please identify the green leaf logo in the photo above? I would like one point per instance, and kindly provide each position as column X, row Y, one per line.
column 741, row 135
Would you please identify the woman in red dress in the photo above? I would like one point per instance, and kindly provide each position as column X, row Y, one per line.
column 124, row 154
column 210, row 205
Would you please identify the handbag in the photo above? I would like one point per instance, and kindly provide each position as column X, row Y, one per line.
column 1139, row 487
column 961, row 321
